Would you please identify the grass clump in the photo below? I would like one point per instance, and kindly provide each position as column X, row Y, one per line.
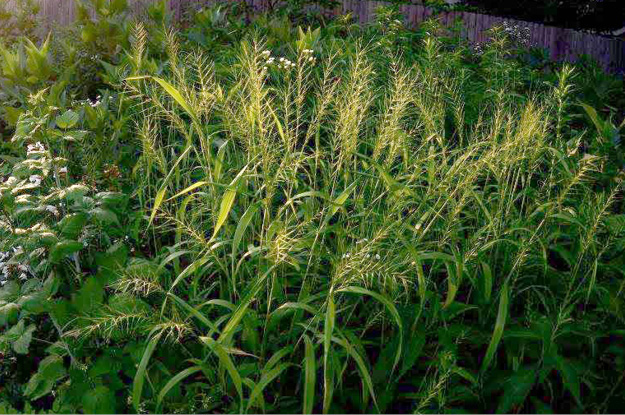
column 332, row 220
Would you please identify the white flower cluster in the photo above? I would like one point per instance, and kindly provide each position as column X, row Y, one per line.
column 308, row 55
column 5, row 270
column 35, row 180
column 518, row 34
column 284, row 63
column 95, row 103
column 37, row 148
column 52, row 209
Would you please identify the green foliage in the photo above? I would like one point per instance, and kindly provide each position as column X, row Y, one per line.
column 273, row 217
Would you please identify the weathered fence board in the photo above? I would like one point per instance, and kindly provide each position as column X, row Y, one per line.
column 562, row 44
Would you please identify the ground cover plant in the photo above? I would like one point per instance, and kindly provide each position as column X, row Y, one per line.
column 266, row 216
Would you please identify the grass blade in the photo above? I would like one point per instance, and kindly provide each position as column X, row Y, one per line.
column 265, row 380
column 502, row 315
column 391, row 308
column 173, row 382
column 226, row 203
column 310, row 374
column 228, row 364
column 137, row 384
column 327, row 341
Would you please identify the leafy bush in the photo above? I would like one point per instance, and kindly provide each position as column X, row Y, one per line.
column 271, row 218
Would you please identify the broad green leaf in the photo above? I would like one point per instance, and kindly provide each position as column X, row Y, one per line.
column 99, row 400
column 89, row 296
column 22, row 342
column 63, row 249
column 68, row 120
column 105, row 216
column 51, row 370
column 516, row 389
column 71, row 225
column 570, row 377
column 9, row 313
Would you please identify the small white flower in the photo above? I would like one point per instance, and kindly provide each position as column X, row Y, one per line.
column 36, row 148
column 52, row 209
column 377, row 256
column 35, row 179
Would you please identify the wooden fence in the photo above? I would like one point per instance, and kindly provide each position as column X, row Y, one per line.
column 562, row 44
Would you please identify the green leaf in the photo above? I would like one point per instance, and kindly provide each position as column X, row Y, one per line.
column 310, row 376
column 340, row 200
column 51, row 370
column 160, row 195
column 137, row 384
column 63, row 249
column 238, row 314
column 570, row 377
column 188, row 189
column 516, row 389
column 177, row 96
column 264, row 381
column 100, row 400
column 67, row 120
column 105, row 216
column 112, row 200
column 89, row 296
column 9, row 313
column 502, row 315
column 226, row 362
column 327, row 341
column 391, row 308
column 22, row 343
column 71, row 225
column 242, row 226
column 173, row 382
column 226, row 202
